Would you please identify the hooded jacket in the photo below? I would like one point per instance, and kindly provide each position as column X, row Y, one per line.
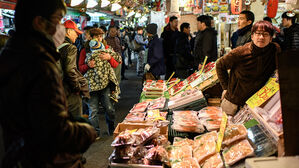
column 33, row 111
column 205, row 45
column 250, row 68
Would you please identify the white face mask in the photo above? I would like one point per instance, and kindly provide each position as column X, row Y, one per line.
column 59, row 35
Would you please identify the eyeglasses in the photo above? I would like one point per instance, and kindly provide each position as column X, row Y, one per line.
column 264, row 34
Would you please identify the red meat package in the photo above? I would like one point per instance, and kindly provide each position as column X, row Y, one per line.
column 214, row 161
column 237, row 152
column 124, row 138
column 186, row 121
column 146, row 134
column 204, row 150
column 135, row 117
column 157, row 103
column 156, row 155
column 233, row 133
column 186, row 163
column 140, row 107
column 182, row 142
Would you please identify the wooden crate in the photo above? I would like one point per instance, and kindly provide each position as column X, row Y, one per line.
column 130, row 126
column 214, row 102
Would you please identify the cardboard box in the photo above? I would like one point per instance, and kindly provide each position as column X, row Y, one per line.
column 273, row 162
column 130, row 126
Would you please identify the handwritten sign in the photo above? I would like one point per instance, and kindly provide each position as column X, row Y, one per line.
column 221, row 132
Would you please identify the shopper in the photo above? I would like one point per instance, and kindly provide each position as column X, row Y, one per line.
column 245, row 21
column 75, row 85
column 128, row 40
column 114, row 42
column 169, row 38
column 184, row 60
column 37, row 130
column 102, row 81
column 124, row 48
column 140, row 44
column 80, row 41
column 291, row 31
column 205, row 42
column 250, row 67
column 155, row 60
column 83, row 67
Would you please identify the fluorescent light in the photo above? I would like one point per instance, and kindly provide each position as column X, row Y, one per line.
column 131, row 14
column 76, row 2
column 104, row 3
column 91, row 3
column 115, row 7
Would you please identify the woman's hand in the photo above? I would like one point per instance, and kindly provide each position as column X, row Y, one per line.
column 91, row 64
column 105, row 56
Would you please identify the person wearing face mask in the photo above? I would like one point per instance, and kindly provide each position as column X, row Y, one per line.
column 80, row 42
column 38, row 130
column 73, row 81
column 250, row 65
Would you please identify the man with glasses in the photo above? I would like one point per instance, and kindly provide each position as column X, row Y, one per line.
column 250, row 67
column 37, row 129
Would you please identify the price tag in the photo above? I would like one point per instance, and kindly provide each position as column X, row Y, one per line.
column 263, row 94
column 221, row 132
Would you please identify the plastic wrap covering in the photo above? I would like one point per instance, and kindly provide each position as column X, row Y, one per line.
column 211, row 117
column 186, row 163
column 204, row 150
column 135, row 117
column 157, row 103
column 187, row 121
column 140, row 107
column 233, row 133
column 156, row 155
column 182, row 142
column 214, row 161
column 237, row 152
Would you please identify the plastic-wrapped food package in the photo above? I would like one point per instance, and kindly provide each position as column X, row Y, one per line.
column 157, row 103
column 156, row 156
column 153, row 115
column 210, row 111
column 185, row 97
column 161, row 140
column 179, row 152
column 140, row 107
column 210, row 117
column 201, row 139
column 186, row 163
column 124, row 152
column 214, row 161
column 124, row 138
column 237, row 152
column 204, row 150
column 135, row 117
column 144, row 135
column 178, row 88
column 242, row 116
column 233, row 133
column 193, row 77
column 187, row 121
column 154, row 89
column 177, row 141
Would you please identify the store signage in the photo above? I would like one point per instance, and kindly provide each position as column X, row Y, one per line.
column 221, row 132
column 236, row 6
column 7, row 5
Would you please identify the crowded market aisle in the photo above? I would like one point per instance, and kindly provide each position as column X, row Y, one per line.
column 99, row 152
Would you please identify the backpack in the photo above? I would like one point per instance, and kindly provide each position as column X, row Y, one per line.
column 136, row 46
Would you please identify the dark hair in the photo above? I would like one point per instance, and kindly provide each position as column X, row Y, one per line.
column 11, row 32
column 172, row 18
column 184, row 25
column 24, row 14
column 139, row 28
column 103, row 28
column 95, row 32
column 267, row 19
column 264, row 25
column 95, row 25
column 249, row 15
column 87, row 28
column 112, row 27
column 204, row 19
column 284, row 15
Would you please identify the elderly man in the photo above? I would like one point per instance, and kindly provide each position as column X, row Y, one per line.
column 250, row 67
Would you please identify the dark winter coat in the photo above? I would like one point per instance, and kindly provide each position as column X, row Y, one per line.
column 291, row 37
column 33, row 110
column 183, row 57
column 169, row 39
column 156, row 56
column 73, row 80
column 205, row 45
column 250, row 68
column 244, row 35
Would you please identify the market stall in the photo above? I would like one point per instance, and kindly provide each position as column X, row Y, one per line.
column 173, row 126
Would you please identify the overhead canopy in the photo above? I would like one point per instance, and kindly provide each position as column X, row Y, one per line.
column 8, row 4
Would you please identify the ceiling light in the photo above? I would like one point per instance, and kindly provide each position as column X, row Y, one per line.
column 104, row 3
column 76, row 2
column 115, row 7
column 91, row 3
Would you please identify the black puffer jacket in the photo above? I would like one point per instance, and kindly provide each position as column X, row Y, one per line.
column 33, row 111
column 205, row 45
column 183, row 57
column 291, row 37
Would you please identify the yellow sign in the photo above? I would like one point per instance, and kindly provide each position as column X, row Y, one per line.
column 263, row 94
column 221, row 132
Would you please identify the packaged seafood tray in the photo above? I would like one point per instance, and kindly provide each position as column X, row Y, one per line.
column 140, row 107
column 178, row 88
column 214, row 161
column 153, row 85
column 185, row 98
column 210, row 117
column 234, row 132
column 203, row 77
column 187, row 121
column 173, row 133
column 133, row 126
column 157, row 104
column 204, row 150
column 186, row 163
column 135, row 117
column 192, row 77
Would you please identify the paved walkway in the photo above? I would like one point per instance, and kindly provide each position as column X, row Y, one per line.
column 98, row 153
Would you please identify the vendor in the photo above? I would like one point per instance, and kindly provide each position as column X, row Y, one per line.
column 250, row 65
